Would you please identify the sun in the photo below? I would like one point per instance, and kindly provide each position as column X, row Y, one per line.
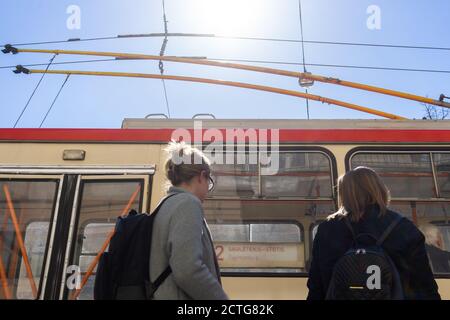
column 229, row 17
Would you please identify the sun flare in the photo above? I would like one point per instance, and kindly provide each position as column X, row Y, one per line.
column 229, row 17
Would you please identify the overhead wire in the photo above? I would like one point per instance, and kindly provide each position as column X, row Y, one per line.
column 54, row 100
column 299, row 75
column 206, row 35
column 303, row 52
column 34, row 91
column 161, row 53
column 21, row 69
column 256, row 61
column 166, row 34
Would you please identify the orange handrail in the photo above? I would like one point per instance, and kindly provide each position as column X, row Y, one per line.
column 94, row 263
column 4, row 280
column 3, row 276
column 5, row 222
column 224, row 83
column 298, row 75
column 15, row 252
column 20, row 241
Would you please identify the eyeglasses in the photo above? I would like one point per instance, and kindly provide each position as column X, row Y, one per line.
column 207, row 175
column 210, row 184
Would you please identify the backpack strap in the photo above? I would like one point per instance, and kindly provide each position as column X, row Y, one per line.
column 151, row 287
column 389, row 229
column 159, row 205
column 385, row 234
column 133, row 212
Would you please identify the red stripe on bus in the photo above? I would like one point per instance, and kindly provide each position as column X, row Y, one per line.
column 285, row 135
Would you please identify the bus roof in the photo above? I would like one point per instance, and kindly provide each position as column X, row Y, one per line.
column 153, row 123
column 287, row 124
column 290, row 131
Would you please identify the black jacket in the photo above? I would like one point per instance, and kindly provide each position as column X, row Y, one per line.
column 405, row 245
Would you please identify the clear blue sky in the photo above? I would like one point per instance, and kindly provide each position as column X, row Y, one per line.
column 100, row 102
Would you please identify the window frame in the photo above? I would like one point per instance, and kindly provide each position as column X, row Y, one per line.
column 145, row 181
column 231, row 197
column 437, row 275
column 435, row 174
column 268, row 273
column 254, row 221
column 287, row 149
column 63, row 213
column 302, row 274
column 93, row 221
column 33, row 177
column 405, row 149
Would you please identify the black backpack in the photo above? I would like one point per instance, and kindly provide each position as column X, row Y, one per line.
column 123, row 272
column 366, row 272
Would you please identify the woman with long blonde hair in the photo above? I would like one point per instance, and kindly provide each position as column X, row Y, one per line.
column 364, row 210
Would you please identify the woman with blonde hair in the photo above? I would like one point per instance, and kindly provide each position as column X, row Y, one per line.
column 363, row 211
column 181, row 238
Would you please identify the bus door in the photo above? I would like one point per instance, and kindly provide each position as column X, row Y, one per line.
column 28, row 216
column 98, row 202
column 55, row 225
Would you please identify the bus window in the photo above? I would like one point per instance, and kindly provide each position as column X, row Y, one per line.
column 437, row 243
column 442, row 165
column 300, row 174
column 35, row 243
column 267, row 236
column 440, row 263
column 258, row 227
column 275, row 232
column 444, row 230
column 425, row 214
column 26, row 209
column 407, row 175
column 101, row 202
column 420, row 211
column 239, row 179
column 256, row 232
column 230, row 232
column 93, row 238
column 268, row 247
